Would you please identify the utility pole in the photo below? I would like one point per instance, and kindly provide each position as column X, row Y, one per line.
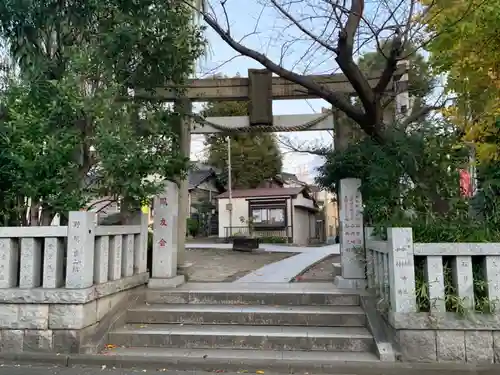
column 229, row 186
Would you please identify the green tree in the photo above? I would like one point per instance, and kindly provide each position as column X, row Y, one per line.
column 74, row 133
column 468, row 55
column 254, row 157
column 390, row 198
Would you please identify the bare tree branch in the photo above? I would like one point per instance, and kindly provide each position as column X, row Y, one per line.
column 336, row 100
column 292, row 147
column 302, row 28
column 391, row 64
column 351, row 69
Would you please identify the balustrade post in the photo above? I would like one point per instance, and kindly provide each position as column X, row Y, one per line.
column 81, row 242
column 141, row 244
column 370, row 261
column 9, row 260
column 401, row 270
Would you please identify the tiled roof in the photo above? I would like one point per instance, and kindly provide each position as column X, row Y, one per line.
column 314, row 188
column 196, row 177
column 288, row 176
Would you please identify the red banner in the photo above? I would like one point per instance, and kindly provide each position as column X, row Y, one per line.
column 465, row 183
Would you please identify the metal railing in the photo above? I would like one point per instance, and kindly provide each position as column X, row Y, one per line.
column 278, row 235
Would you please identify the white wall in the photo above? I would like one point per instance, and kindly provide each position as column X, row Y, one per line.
column 312, row 225
column 303, row 201
column 300, row 226
column 240, row 208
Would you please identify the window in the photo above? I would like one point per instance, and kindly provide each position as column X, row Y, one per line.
column 274, row 216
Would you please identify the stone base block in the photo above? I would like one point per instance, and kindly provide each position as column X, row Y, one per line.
column 41, row 341
column 475, row 347
column 337, row 269
column 417, row 346
column 183, row 268
column 62, row 327
column 173, row 282
column 342, row 283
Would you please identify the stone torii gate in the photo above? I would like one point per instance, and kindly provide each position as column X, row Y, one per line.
column 260, row 89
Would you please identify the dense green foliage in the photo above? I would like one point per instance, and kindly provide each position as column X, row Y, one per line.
column 391, row 199
column 70, row 131
column 465, row 46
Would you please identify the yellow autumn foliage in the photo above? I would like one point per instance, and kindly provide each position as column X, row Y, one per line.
column 466, row 46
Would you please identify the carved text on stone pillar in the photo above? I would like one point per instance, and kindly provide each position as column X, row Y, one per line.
column 351, row 227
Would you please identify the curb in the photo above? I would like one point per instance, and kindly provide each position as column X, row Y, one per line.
column 35, row 358
column 248, row 365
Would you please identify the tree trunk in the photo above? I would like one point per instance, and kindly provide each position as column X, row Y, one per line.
column 34, row 213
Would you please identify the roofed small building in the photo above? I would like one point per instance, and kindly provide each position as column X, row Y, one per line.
column 287, row 213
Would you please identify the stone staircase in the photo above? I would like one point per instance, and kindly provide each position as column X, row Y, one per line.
column 241, row 325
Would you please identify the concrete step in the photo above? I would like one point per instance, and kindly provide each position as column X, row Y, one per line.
column 334, row 339
column 248, row 361
column 328, row 316
column 310, row 294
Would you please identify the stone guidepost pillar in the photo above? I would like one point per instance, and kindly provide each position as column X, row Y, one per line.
column 165, row 232
column 352, row 250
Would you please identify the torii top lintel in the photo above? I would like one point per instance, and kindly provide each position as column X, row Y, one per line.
column 228, row 89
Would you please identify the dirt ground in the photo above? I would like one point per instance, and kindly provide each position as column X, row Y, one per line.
column 321, row 272
column 226, row 265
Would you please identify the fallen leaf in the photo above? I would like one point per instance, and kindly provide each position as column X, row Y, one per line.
column 259, row 372
column 110, row 346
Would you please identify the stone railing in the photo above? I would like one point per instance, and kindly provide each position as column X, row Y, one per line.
column 390, row 268
column 34, row 257
column 436, row 334
column 58, row 282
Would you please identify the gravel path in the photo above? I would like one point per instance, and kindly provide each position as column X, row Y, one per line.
column 215, row 265
column 321, row 272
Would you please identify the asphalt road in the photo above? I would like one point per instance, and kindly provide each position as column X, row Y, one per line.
column 55, row 370
column 8, row 369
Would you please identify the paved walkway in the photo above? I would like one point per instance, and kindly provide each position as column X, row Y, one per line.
column 284, row 270
column 287, row 269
